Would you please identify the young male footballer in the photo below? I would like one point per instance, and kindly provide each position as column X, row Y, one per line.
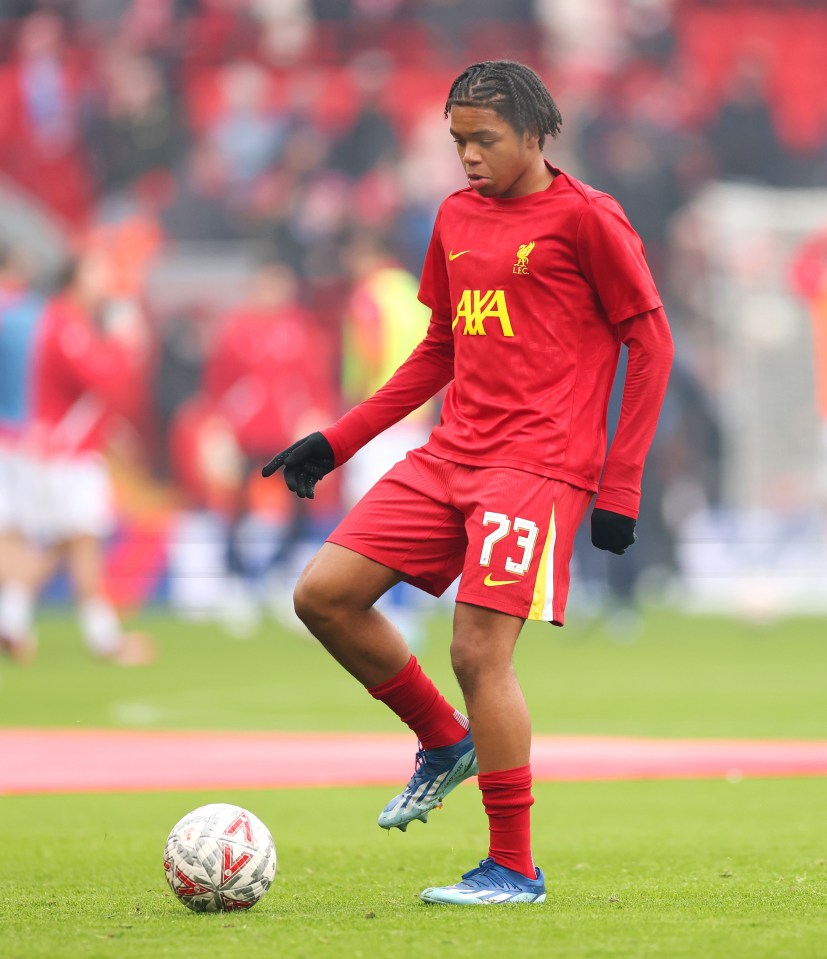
column 534, row 280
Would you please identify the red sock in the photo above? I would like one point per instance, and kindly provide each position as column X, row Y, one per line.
column 506, row 795
column 417, row 702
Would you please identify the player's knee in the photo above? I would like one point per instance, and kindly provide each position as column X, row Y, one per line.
column 318, row 599
column 467, row 662
column 311, row 599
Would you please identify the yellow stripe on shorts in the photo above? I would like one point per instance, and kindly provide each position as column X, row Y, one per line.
column 542, row 602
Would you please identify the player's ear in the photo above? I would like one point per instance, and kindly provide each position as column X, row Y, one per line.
column 531, row 138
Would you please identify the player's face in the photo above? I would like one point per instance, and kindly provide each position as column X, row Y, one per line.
column 497, row 160
column 94, row 279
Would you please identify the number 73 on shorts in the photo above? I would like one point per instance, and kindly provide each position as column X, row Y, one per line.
column 519, row 562
column 507, row 533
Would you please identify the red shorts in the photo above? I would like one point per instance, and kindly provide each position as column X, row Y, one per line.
column 508, row 533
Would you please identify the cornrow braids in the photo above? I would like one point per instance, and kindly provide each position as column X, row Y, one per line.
column 513, row 90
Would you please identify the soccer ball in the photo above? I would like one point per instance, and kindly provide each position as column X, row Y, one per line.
column 218, row 858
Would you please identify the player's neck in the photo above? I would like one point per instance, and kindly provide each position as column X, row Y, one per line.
column 81, row 304
column 537, row 178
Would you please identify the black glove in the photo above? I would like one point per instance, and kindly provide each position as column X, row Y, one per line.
column 612, row 531
column 305, row 463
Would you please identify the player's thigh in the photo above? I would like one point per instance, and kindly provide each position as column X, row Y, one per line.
column 521, row 530
column 408, row 523
column 18, row 491
column 483, row 640
column 74, row 498
column 339, row 578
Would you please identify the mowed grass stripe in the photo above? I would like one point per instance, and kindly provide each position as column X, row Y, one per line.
column 637, row 869
column 686, row 677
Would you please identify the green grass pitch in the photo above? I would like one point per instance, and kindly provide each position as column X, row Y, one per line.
column 637, row 869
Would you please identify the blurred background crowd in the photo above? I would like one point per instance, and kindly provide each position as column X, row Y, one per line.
column 252, row 184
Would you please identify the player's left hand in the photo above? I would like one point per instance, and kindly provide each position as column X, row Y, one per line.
column 612, row 531
column 305, row 463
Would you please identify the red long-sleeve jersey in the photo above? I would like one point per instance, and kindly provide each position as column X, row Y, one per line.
column 266, row 371
column 531, row 299
column 81, row 378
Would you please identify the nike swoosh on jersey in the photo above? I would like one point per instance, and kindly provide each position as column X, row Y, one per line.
column 453, row 256
column 498, row 582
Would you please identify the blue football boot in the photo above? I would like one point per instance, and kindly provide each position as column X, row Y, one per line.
column 487, row 885
column 436, row 773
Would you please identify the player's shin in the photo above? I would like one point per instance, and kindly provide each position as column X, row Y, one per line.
column 16, row 621
column 506, row 795
column 419, row 704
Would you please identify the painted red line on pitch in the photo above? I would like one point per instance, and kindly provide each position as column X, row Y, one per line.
column 45, row 760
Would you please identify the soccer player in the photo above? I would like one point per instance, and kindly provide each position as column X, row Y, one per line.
column 82, row 377
column 534, row 280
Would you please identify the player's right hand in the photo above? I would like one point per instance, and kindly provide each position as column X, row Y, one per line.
column 305, row 463
column 612, row 531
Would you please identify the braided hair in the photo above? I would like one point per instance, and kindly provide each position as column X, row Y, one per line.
column 513, row 90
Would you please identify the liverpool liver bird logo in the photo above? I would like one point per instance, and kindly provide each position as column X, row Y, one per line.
column 524, row 253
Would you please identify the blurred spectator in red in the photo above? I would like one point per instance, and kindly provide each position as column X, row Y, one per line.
column 425, row 179
column 455, row 23
column 41, row 145
column 246, row 130
column 272, row 218
column 286, row 29
column 809, row 280
column 371, row 139
column 632, row 147
column 269, row 368
column 269, row 376
column 184, row 339
column 86, row 364
column 743, row 133
column 297, row 209
column 135, row 128
column 198, row 208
